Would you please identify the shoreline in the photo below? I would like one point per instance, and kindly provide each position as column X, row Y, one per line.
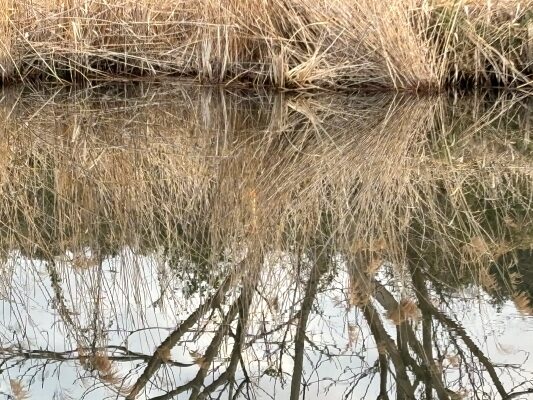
column 412, row 45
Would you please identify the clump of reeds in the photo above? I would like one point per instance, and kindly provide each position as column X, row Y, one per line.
column 343, row 44
column 489, row 42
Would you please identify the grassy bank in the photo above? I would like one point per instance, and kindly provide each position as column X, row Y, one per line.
column 340, row 44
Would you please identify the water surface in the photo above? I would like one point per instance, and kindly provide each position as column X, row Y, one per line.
column 175, row 242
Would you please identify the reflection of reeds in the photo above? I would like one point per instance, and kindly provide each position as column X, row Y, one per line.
column 523, row 303
column 187, row 173
column 197, row 176
column 18, row 391
column 207, row 182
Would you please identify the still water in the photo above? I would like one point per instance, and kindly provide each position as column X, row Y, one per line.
column 180, row 243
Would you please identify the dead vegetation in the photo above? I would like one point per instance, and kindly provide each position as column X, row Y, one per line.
column 413, row 45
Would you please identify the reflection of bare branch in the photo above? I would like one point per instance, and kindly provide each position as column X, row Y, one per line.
column 319, row 268
column 277, row 328
column 384, row 342
column 386, row 299
column 517, row 394
column 63, row 310
column 205, row 361
column 427, row 344
column 457, row 329
column 156, row 361
column 124, row 355
column 383, row 374
column 241, row 305
column 229, row 375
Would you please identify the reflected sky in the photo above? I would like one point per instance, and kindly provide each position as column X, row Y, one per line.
column 171, row 242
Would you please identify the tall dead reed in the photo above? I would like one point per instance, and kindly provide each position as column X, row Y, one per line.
column 410, row 45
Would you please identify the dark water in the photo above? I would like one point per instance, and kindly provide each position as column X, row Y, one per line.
column 171, row 242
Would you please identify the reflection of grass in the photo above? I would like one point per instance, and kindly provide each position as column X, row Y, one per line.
column 400, row 44
column 18, row 392
column 252, row 211
column 200, row 177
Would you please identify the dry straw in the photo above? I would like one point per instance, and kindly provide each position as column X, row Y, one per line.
column 415, row 45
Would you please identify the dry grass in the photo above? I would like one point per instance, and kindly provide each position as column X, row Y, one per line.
column 484, row 41
column 342, row 44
